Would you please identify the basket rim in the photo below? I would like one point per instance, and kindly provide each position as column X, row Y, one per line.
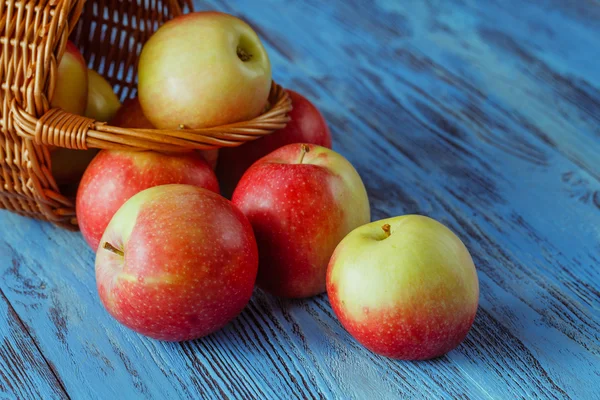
column 59, row 128
column 33, row 127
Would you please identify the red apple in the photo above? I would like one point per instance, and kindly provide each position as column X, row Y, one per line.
column 203, row 69
column 115, row 176
column 71, row 90
column 102, row 103
column 131, row 115
column 211, row 157
column 307, row 125
column 301, row 201
column 176, row 262
column 404, row 287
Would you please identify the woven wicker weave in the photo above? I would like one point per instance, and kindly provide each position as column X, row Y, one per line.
column 33, row 37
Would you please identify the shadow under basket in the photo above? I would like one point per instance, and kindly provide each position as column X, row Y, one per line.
column 110, row 35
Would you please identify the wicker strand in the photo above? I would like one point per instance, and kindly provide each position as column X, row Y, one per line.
column 110, row 34
column 59, row 128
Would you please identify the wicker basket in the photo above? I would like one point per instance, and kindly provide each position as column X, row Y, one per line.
column 33, row 37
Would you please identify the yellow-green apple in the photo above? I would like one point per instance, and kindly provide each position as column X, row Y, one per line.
column 404, row 287
column 176, row 262
column 71, row 87
column 307, row 125
column 301, row 200
column 203, row 69
column 131, row 115
column 102, row 102
column 113, row 177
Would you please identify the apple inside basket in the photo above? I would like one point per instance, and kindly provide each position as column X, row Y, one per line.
column 224, row 104
column 193, row 108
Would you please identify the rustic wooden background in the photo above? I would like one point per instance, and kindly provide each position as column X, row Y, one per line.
column 482, row 114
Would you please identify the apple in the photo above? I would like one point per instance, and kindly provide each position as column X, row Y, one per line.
column 115, row 176
column 201, row 70
column 176, row 262
column 131, row 115
column 404, row 287
column 307, row 125
column 71, row 87
column 211, row 156
column 301, row 200
column 102, row 102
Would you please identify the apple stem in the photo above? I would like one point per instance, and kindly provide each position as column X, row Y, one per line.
column 243, row 54
column 110, row 247
column 386, row 230
column 304, row 149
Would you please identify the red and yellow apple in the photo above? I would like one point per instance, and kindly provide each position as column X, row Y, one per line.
column 404, row 287
column 307, row 125
column 176, row 262
column 71, row 87
column 301, row 201
column 203, row 69
column 131, row 115
column 102, row 102
column 115, row 176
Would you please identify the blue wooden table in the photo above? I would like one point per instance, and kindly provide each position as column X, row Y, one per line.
column 482, row 114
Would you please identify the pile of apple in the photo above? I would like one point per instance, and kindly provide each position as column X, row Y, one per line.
column 176, row 261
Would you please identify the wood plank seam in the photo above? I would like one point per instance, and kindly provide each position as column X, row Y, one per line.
column 35, row 343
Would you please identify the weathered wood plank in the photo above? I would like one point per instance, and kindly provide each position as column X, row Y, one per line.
column 24, row 372
column 261, row 354
column 483, row 115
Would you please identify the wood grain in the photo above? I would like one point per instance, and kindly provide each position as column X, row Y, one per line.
column 483, row 115
column 24, row 372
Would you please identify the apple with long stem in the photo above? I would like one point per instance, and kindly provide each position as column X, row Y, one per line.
column 301, row 200
column 404, row 287
column 176, row 262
